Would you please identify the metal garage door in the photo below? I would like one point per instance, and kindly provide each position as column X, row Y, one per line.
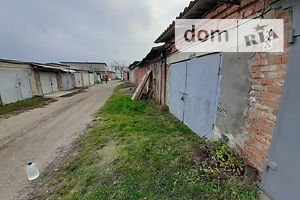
column 281, row 177
column 177, row 89
column 66, row 81
column 54, row 82
column 48, row 82
column 78, row 79
column 24, row 85
column 14, row 86
column 92, row 81
column 193, row 92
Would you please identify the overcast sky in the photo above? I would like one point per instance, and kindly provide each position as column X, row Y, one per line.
column 80, row 30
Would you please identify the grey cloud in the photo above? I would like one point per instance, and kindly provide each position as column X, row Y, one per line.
column 94, row 30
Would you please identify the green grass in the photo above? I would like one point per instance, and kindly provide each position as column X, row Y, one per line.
column 23, row 105
column 81, row 88
column 138, row 150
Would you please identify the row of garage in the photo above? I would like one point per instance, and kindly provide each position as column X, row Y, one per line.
column 21, row 80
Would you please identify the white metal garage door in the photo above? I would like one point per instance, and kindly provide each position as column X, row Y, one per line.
column 78, row 79
column 14, row 86
column 66, row 81
column 48, row 82
column 193, row 92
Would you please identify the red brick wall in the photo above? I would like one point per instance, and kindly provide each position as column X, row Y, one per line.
column 141, row 71
column 267, row 79
column 126, row 76
column 136, row 77
column 267, row 76
column 163, row 83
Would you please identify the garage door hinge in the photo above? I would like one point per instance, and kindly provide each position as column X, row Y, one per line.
column 271, row 165
column 292, row 36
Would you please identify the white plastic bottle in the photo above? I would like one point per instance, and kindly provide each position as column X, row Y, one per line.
column 32, row 171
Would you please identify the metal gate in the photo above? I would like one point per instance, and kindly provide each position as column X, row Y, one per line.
column 66, row 81
column 281, row 177
column 78, row 80
column 48, row 82
column 14, row 86
column 193, row 92
column 177, row 89
column 24, row 85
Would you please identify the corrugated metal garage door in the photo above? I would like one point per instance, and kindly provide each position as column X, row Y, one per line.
column 48, row 82
column 92, row 79
column 14, row 86
column 78, row 79
column 66, row 81
column 193, row 92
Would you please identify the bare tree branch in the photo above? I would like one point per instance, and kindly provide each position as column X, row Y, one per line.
column 121, row 66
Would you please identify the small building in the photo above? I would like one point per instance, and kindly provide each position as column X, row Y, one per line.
column 66, row 76
column 47, row 77
column 17, row 81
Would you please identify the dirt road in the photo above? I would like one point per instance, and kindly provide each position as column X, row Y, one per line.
column 40, row 134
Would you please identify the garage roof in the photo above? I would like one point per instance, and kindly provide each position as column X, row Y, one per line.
column 90, row 66
column 195, row 10
column 50, row 68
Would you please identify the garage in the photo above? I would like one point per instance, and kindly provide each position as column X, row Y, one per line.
column 48, row 82
column 14, row 86
column 193, row 92
column 66, row 81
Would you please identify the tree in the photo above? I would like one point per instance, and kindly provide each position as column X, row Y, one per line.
column 119, row 66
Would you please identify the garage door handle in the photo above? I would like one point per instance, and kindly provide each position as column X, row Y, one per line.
column 183, row 95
